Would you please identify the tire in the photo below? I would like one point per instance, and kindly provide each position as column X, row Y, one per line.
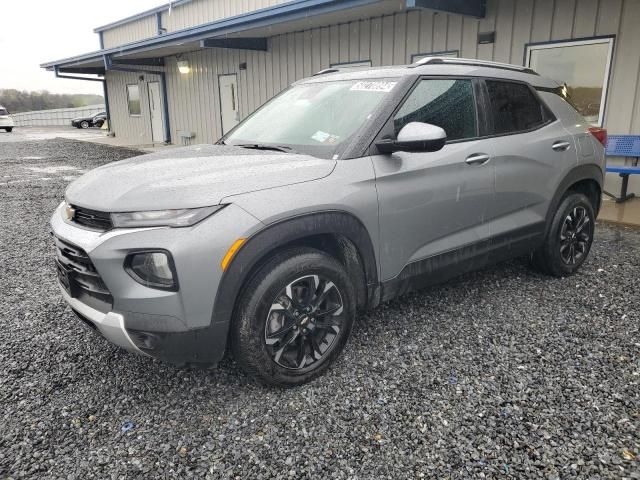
column 9, row 129
column 569, row 238
column 84, row 124
column 283, row 343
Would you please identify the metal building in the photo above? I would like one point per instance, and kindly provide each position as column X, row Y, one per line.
column 188, row 71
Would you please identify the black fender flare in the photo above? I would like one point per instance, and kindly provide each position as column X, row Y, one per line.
column 260, row 244
column 576, row 174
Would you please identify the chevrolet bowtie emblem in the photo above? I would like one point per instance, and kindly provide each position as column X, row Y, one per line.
column 69, row 212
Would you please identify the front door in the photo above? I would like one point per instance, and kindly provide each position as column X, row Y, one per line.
column 155, row 111
column 229, row 108
column 432, row 203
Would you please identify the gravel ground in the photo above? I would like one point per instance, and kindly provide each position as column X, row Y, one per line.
column 499, row 374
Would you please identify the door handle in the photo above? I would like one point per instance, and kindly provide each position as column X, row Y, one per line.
column 561, row 146
column 477, row 159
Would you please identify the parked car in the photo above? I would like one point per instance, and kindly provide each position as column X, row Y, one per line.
column 345, row 191
column 6, row 122
column 85, row 122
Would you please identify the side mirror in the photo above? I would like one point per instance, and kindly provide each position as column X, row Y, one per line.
column 415, row 137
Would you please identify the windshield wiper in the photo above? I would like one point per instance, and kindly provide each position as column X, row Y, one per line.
column 262, row 146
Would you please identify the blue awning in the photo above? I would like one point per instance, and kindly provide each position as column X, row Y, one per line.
column 298, row 14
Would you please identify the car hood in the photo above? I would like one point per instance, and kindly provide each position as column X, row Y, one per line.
column 78, row 119
column 190, row 177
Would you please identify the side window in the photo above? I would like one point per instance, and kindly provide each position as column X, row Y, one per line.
column 133, row 99
column 514, row 108
column 448, row 104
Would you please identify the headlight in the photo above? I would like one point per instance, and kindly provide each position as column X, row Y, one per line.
column 152, row 269
column 184, row 217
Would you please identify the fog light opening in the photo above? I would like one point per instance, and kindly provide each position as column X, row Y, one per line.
column 153, row 269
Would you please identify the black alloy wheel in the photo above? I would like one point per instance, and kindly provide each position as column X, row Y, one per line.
column 569, row 237
column 575, row 237
column 293, row 317
column 304, row 322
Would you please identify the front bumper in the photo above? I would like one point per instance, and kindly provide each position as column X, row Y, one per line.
column 6, row 122
column 110, row 324
column 176, row 327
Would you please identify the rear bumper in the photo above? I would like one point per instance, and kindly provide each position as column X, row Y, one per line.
column 6, row 122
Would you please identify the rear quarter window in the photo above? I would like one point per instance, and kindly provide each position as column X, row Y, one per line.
column 3, row 111
column 513, row 107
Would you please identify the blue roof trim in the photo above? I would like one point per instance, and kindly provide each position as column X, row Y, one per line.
column 138, row 16
column 474, row 8
column 295, row 10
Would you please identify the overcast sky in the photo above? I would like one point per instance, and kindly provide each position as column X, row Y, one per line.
column 37, row 31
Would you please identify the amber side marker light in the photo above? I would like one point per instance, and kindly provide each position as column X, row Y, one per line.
column 231, row 252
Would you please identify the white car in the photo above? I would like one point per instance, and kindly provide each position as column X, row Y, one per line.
column 6, row 122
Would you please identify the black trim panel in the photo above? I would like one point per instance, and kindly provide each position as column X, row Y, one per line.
column 439, row 268
column 258, row 248
column 576, row 174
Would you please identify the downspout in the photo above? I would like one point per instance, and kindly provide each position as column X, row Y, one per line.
column 108, row 65
column 104, row 90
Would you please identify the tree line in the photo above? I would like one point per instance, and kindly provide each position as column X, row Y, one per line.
column 24, row 101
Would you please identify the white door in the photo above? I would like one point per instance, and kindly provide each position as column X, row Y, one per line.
column 229, row 108
column 155, row 109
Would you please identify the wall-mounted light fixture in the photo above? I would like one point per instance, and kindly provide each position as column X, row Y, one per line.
column 184, row 67
column 486, row 37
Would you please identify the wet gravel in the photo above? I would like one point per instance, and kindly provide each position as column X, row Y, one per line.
column 502, row 373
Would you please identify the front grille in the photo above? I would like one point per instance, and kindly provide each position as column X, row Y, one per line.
column 79, row 277
column 92, row 218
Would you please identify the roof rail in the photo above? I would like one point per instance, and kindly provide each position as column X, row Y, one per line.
column 325, row 71
column 470, row 62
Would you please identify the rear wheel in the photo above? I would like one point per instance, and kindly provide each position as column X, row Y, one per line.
column 569, row 239
column 294, row 317
column 9, row 129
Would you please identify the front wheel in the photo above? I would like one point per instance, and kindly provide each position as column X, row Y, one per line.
column 569, row 238
column 9, row 129
column 294, row 317
column 84, row 124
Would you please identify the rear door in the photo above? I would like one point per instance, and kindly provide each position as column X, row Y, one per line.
column 532, row 151
column 432, row 203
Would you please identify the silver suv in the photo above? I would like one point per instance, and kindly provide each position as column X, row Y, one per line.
column 346, row 190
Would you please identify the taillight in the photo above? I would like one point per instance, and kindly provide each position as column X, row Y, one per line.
column 600, row 134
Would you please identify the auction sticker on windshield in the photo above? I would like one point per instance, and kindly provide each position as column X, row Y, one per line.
column 373, row 86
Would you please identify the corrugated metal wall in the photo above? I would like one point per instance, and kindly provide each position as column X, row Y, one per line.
column 204, row 11
column 192, row 13
column 136, row 130
column 194, row 102
column 146, row 27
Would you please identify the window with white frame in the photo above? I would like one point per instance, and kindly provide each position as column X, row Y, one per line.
column 133, row 99
column 449, row 53
column 580, row 65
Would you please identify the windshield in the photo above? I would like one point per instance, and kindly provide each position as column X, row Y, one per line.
column 3, row 111
column 313, row 118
